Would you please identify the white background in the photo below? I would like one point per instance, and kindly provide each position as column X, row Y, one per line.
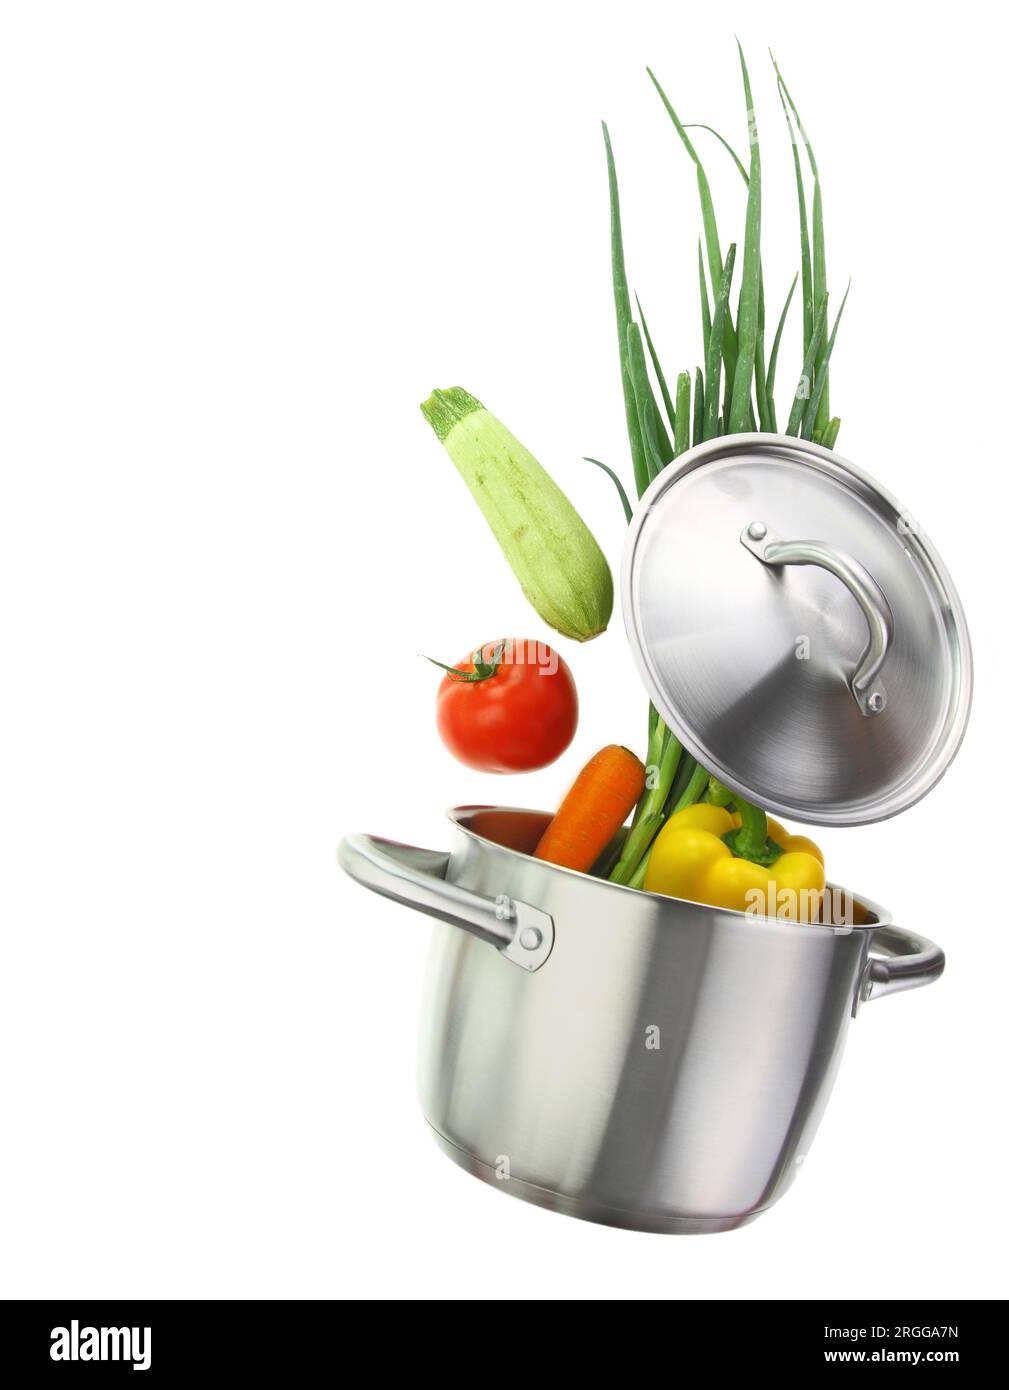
column 239, row 244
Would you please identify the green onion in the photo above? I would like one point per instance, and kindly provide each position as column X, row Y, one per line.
column 650, row 816
column 708, row 220
column 765, row 402
column 699, row 125
column 683, row 779
column 773, row 363
column 712, row 365
column 764, row 410
column 692, row 791
column 819, row 248
column 648, row 420
column 622, row 304
column 628, row 509
column 805, row 387
column 805, row 262
column 682, row 441
column 831, row 432
column 705, row 310
column 660, row 378
column 810, row 419
column 736, row 342
column 749, row 290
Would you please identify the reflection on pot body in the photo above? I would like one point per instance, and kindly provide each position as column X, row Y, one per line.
column 639, row 1060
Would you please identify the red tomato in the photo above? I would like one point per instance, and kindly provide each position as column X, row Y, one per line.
column 512, row 709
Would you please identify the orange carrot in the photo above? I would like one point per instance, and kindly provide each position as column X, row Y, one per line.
column 605, row 792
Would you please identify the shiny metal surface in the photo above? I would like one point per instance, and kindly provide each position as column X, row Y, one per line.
column 523, row 934
column 867, row 691
column 751, row 664
column 907, row 962
column 665, row 1069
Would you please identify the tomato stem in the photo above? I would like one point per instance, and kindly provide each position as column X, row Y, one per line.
column 482, row 669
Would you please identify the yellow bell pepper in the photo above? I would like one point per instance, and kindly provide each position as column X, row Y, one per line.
column 692, row 858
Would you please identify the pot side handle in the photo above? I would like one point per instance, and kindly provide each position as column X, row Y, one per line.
column 416, row 877
column 909, row 962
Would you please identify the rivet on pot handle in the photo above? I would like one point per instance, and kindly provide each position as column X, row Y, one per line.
column 910, row 961
column 416, row 877
column 868, row 692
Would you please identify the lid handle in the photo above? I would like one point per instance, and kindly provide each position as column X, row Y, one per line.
column 867, row 691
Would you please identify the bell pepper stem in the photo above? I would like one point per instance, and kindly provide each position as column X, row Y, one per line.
column 718, row 794
column 751, row 840
column 752, row 835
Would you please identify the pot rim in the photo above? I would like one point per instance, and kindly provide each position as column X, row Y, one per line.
column 459, row 816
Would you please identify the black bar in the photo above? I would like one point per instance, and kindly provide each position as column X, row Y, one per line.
column 172, row 1341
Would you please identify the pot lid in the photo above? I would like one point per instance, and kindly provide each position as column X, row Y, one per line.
column 796, row 630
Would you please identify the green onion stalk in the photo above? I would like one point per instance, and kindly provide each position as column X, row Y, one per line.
column 733, row 392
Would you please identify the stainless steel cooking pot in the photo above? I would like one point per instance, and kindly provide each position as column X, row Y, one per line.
column 619, row 1056
column 660, row 1064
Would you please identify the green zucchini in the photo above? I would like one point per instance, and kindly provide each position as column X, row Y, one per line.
column 553, row 554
